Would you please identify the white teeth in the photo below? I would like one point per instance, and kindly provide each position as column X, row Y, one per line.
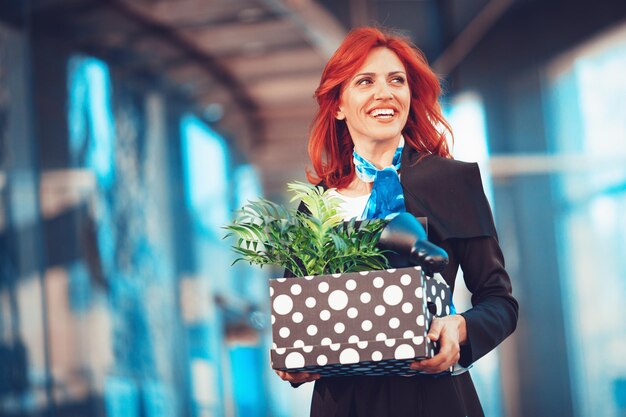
column 382, row 112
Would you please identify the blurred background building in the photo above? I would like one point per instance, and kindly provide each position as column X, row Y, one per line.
column 130, row 130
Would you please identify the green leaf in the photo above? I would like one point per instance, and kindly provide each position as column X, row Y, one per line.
column 306, row 244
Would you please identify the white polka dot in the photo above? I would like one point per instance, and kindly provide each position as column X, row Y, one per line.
column 280, row 351
column 351, row 285
column 353, row 312
column 447, row 309
column 378, row 282
column 392, row 295
column 379, row 310
column 380, row 337
column 324, row 315
column 405, row 279
column 419, row 292
column 362, row 344
column 339, row 328
column 284, row 332
column 335, row 347
column 283, row 304
column 408, row 334
column 296, row 289
column 273, row 319
column 418, row 340
column 432, row 352
column 307, row 349
column 323, row 287
column 439, row 306
column 322, row 360
column 281, row 280
column 336, row 275
column 365, row 297
column 404, row 352
column 366, row 325
column 353, row 339
column 377, row 356
column 298, row 344
column 433, row 290
column 310, row 302
column 390, row 342
column 349, row 356
column 274, row 345
column 338, row 300
column 407, row 308
column 394, row 323
column 443, row 294
column 271, row 291
column 297, row 317
column 309, row 277
column 311, row 330
column 326, row 341
column 364, row 272
column 420, row 320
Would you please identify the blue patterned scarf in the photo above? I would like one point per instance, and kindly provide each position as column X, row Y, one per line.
column 387, row 198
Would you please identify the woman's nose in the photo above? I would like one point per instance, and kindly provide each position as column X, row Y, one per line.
column 383, row 91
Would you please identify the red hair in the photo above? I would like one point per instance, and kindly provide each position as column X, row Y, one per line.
column 330, row 146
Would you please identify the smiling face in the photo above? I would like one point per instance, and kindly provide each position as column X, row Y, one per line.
column 375, row 102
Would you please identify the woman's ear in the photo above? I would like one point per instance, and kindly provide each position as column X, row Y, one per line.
column 339, row 115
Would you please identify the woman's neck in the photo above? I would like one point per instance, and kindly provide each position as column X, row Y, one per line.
column 378, row 153
column 356, row 188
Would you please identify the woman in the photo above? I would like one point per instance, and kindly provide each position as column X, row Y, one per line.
column 378, row 140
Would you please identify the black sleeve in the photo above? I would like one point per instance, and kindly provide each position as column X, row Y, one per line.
column 493, row 316
column 461, row 218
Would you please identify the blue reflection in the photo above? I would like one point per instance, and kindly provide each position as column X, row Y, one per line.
column 157, row 400
column 121, row 397
column 91, row 123
column 247, row 371
column 92, row 141
column 205, row 162
column 247, row 185
column 79, row 287
column 619, row 394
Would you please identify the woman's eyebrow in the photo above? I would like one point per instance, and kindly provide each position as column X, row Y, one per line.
column 371, row 74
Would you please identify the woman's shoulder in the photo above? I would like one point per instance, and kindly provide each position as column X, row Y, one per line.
column 440, row 170
column 434, row 182
column 439, row 162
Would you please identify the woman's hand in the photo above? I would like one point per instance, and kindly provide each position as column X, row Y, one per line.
column 297, row 377
column 451, row 333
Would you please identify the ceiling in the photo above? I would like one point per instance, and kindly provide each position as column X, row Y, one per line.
column 251, row 66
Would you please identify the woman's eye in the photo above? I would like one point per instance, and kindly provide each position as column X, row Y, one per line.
column 398, row 80
column 364, row 81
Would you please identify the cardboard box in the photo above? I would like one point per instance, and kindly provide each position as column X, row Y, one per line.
column 363, row 323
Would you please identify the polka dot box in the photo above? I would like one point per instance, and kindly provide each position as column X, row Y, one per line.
column 365, row 323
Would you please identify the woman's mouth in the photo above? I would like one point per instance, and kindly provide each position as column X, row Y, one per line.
column 382, row 113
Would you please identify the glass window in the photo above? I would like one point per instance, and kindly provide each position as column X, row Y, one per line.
column 586, row 90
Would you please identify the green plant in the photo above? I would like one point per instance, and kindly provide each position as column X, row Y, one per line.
column 313, row 243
